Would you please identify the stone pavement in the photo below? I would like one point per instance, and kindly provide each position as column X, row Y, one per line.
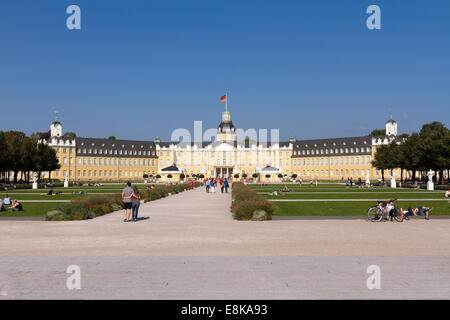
column 189, row 247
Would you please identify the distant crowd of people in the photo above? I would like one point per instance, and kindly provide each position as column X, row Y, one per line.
column 211, row 184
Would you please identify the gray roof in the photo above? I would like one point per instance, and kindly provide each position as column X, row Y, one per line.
column 333, row 147
column 133, row 148
column 269, row 168
column 170, row 168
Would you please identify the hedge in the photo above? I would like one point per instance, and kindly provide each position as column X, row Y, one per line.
column 246, row 201
column 97, row 205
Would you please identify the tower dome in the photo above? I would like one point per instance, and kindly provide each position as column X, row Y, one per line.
column 226, row 130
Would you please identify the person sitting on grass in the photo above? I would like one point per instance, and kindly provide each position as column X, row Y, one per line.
column 423, row 211
column 383, row 208
column 16, row 206
column 285, row 189
column 390, row 210
column 6, row 200
column 408, row 213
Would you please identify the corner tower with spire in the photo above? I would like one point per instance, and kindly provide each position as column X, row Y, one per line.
column 391, row 127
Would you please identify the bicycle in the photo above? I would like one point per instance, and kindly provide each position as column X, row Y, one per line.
column 378, row 213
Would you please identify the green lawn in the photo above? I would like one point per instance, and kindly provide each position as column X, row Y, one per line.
column 346, row 208
column 32, row 209
column 33, row 196
column 359, row 195
column 349, row 208
column 332, row 188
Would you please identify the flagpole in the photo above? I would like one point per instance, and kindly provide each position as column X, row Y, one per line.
column 226, row 101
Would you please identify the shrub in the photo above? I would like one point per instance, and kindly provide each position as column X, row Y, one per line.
column 244, row 209
column 246, row 201
column 97, row 205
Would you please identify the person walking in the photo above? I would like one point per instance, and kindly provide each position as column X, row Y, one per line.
column 135, row 202
column 208, row 185
column 222, row 185
column 126, row 198
column 226, row 184
column 212, row 183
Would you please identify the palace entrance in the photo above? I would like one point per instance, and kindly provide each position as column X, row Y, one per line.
column 224, row 172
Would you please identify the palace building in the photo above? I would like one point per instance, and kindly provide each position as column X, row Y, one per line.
column 84, row 159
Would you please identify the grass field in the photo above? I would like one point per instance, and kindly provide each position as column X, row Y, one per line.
column 349, row 208
column 324, row 192
column 32, row 209
column 40, row 209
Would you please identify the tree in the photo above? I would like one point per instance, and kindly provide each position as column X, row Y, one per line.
column 236, row 176
column 70, row 135
column 433, row 136
column 378, row 132
column 294, row 176
column 182, row 176
column 4, row 156
column 46, row 160
column 381, row 159
column 244, row 175
column 145, row 176
column 410, row 150
column 280, row 175
column 267, row 176
column 15, row 149
column 112, row 138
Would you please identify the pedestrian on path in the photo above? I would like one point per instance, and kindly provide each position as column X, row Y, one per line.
column 126, row 198
column 135, row 202
column 207, row 184
column 226, row 184
column 222, row 185
column 212, row 187
column 192, row 185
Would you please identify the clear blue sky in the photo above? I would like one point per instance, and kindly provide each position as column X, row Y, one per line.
column 139, row 69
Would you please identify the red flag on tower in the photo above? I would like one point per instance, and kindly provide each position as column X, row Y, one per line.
column 223, row 98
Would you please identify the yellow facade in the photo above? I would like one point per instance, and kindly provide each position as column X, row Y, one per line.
column 85, row 159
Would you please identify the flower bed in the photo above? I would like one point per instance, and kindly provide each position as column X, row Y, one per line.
column 97, row 205
column 248, row 205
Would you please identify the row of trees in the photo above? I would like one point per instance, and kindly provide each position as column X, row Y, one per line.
column 418, row 152
column 22, row 154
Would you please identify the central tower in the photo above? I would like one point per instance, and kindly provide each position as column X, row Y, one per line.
column 225, row 130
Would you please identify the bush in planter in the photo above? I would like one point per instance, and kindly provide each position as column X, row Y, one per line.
column 246, row 201
column 245, row 209
column 236, row 176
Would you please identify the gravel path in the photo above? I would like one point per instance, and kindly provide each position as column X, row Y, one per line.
column 189, row 247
